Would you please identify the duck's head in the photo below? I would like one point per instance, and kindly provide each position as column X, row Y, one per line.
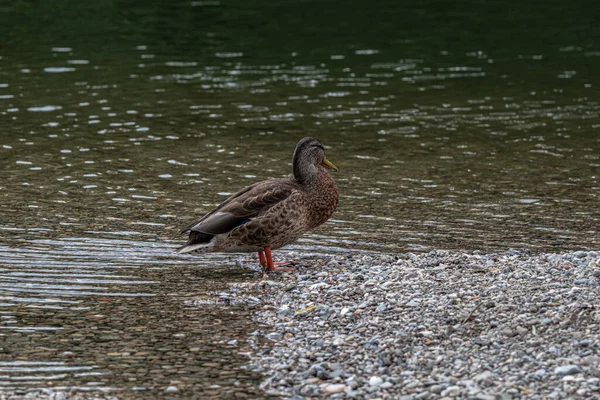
column 309, row 156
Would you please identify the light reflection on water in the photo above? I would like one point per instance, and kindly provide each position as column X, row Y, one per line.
column 442, row 140
column 51, row 281
column 427, row 162
column 87, row 304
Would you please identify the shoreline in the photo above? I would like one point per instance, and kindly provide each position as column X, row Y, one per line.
column 438, row 325
column 425, row 326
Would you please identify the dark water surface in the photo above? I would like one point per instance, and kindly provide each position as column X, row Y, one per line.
column 455, row 126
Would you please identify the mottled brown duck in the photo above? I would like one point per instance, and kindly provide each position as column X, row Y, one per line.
column 270, row 214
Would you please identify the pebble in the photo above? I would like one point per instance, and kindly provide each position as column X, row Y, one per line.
column 437, row 389
column 375, row 381
column 172, row 389
column 274, row 335
column 338, row 341
column 522, row 330
column 451, row 391
column 334, row 388
column 567, row 370
column 540, row 373
column 482, row 376
column 412, row 303
column 380, row 308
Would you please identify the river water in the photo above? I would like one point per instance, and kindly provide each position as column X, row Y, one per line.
column 454, row 126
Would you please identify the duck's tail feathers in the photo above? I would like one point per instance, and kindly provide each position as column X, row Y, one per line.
column 189, row 248
column 198, row 241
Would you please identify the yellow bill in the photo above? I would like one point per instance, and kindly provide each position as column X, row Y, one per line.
column 329, row 164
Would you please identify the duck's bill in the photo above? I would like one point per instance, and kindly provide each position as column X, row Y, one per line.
column 329, row 164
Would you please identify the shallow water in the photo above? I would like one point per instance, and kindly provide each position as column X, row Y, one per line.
column 456, row 127
column 107, row 315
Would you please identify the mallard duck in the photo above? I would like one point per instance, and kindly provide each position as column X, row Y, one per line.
column 270, row 214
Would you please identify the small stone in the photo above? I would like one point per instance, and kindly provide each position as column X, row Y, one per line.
column 274, row 335
column 316, row 370
column 344, row 311
column 483, row 341
column 521, row 330
column 336, row 374
column 437, row 389
column 59, row 396
column 334, row 388
column 567, row 370
column 338, row 341
column 451, row 391
column 285, row 311
column 411, row 385
column 592, row 360
column 380, row 308
column 412, row 303
column 508, row 332
column 386, row 385
column 172, row 389
column 540, row 373
column 375, row 381
column 482, row 376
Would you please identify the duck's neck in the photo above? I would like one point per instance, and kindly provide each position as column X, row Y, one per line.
column 305, row 172
column 317, row 180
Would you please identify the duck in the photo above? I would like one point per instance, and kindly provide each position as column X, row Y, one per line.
column 270, row 214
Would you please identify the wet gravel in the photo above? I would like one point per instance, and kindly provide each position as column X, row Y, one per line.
column 441, row 325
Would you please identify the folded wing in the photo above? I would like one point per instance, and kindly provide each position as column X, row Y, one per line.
column 240, row 208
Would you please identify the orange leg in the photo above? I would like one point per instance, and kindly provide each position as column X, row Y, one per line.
column 261, row 259
column 271, row 265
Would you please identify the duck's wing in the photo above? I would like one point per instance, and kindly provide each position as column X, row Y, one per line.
column 244, row 205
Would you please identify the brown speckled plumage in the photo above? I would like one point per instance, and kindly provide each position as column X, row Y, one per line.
column 270, row 213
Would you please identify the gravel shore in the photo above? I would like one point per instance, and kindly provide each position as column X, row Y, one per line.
column 441, row 325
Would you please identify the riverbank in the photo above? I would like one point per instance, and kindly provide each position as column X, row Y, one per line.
column 430, row 326
column 440, row 325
